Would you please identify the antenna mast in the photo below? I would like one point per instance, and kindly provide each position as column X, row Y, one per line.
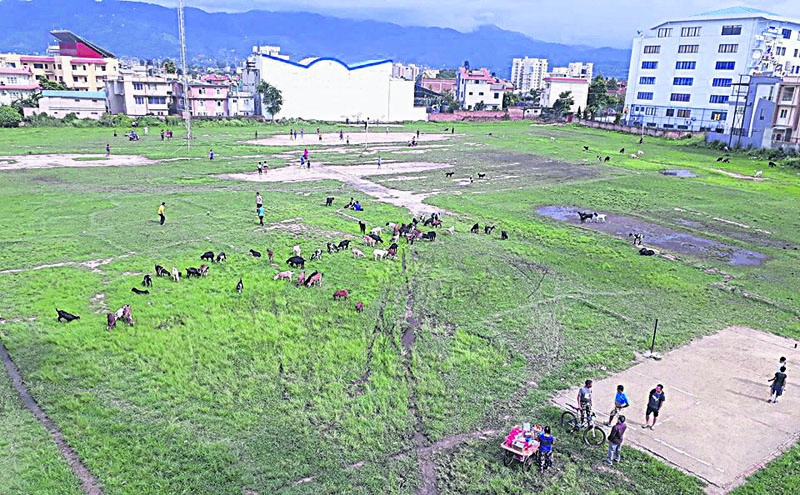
column 186, row 110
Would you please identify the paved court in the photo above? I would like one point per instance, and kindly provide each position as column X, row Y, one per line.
column 716, row 423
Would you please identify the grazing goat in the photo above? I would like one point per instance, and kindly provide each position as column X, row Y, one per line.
column 147, row 281
column 124, row 314
column 646, row 252
column 207, row 256
column 640, row 152
column 719, row 159
column 296, row 250
column 314, row 279
column 772, row 164
column 329, row 201
column 607, row 159
column 585, row 216
column 369, row 241
column 283, row 275
column 376, row 231
column 139, row 291
column 296, row 262
column 112, row 322
column 176, row 275
column 357, row 253
column 331, row 247
column 203, row 270
column 641, row 140
column 379, row 254
column 726, row 160
column 301, row 278
column 634, row 156
column 622, row 151
column 316, row 255
column 341, row 294
column 488, row 229
column 161, row 271
column 600, row 218
column 451, row 230
column 481, row 176
column 68, row 317
column 552, row 138
column 240, row 286
column 637, row 239
column 758, row 174
column 376, row 238
column 475, row 228
column 255, row 253
column 221, row 257
column 431, row 236
column 271, row 255
column 360, row 307
column 503, row 235
column 344, row 244
column 585, row 148
column 449, row 174
column 363, row 227
column 192, row 272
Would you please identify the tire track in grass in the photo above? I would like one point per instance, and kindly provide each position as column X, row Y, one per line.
column 89, row 483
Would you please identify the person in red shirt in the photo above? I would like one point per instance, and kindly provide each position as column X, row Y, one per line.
column 615, row 440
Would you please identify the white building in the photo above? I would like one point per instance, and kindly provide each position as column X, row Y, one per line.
column 84, row 104
column 16, row 84
column 409, row 72
column 683, row 72
column 577, row 86
column 528, row 73
column 475, row 86
column 328, row 89
column 136, row 92
column 574, row 70
column 241, row 103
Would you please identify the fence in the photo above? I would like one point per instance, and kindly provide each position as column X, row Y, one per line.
column 638, row 130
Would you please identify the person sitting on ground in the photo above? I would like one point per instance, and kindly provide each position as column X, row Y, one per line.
column 620, row 403
column 654, row 402
column 357, row 206
column 778, row 383
column 546, row 441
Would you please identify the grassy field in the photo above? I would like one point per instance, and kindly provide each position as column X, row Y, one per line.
column 284, row 390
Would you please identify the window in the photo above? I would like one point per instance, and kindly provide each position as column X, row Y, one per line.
column 496, row 96
column 12, row 64
column 480, row 93
column 719, row 115
column 725, row 65
column 38, row 66
column 718, row 99
column 652, row 49
column 137, row 86
column 795, row 52
column 647, row 80
column 157, row 100
column 139, row 100
column 720, row 82
column 728, row 48
column 787, row 34
column 685, row 65
column 781, row 50
column 731, row 30
column 664, row 32
column 680, row 97
column 684, row 114
column 688, row 48
column 470, row 93
column 644, row 96
column 784, row 113
column 203, row 91
column 12, row 80
column 650, row 111
column 74, row 67
column 668, row 126
column 670, row 112
column 103, row 68
column 219, row 103
column 217, row 91
column 689, row 32
column 650, row 65
column 787, row 95
column 683, row 81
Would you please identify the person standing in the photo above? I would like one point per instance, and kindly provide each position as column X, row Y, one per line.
column 379, row 161
column 161, row 216
column 260, row 168
column 108, row 149
column 291, row 134
column 259, row 201
column 302, row 133
column 546, row 441
column 256, row 134
column 260, row 211
column 305, row 154
column 210, row 154
column 162, row 134
column 654, row 402
column 341, row 135
column 620, row 403
column 585, row 402
column 615, row 440
column 778, row 384
column 781, row 363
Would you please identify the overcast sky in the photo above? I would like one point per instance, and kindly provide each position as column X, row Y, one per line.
column 591, row 22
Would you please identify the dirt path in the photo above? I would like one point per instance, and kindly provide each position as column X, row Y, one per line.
column 355, row 176
column 71, row 160
column 91, row 264
column 89, row 484
column 357, row 137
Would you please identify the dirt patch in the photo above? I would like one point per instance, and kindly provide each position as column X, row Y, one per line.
column 682, row 173
column 89, row 484
column 356, row 137
column 98, row 303
column 660, row 236
column 717, row 390
column 22, row 162
column 91, row 264
column 738, row 176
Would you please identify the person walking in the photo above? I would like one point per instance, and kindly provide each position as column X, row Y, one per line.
column 654, row 402
column 291, row 134
column 615, row 440
column 210, row 154
column 259, row 201
column 620, row 403
column 108, row 149
column 778, row 384
column 341, row 135
column 260, row 211
column 161, row 213
column 260, row 168
column 546, row 441
column 379, row 161
column 256, row 134
column 585, row 402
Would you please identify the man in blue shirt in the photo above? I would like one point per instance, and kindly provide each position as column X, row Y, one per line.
column 620, row 403
column 546, row 441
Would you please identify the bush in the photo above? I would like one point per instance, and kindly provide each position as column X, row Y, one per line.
column 793, row 163
column 9, row 117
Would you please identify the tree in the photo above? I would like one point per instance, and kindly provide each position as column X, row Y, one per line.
column 9, row 117
column 447, row 99
column 510, row 99
column 479, row 106
column 271, row 97
column 169, row 67
column 47, row 84
column 598, row 98
column 563, row 103
column 536, row 95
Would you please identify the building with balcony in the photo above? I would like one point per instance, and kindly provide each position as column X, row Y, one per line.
column 578, row 88
column 84, row 104
column 786, row 120
column 16, row 84
column 479, row 87
column 208, row 99
column 137, row 92
column 528, row 73
column 241, row 103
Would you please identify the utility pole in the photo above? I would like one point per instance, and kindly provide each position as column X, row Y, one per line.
column 186, row 110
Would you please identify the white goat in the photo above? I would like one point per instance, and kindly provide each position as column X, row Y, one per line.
column 600, row 218
column 296, row 250
column 176, row 275
column 379, row 254
column 357, row 253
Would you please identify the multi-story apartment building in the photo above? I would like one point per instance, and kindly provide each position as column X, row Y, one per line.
column 208, row 99
column 84, row 104
column 528, row 73
column 78, row 63
column 475, row 86
column 683, row 72
column 575, row 70
column 786, row 120
column 15, row 84
column 137, row 92
column 577, row 87
column 409, row 72
column 241, row 103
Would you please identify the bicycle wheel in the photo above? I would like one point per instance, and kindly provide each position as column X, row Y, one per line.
column 569, row 421
column 508, row 458
column 594, row 437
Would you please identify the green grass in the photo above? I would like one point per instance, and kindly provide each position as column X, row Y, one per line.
column 215, row 392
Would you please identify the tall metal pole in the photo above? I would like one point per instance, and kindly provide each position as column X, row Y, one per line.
column 186, row 110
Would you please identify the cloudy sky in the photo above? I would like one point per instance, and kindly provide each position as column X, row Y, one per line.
column 592, row 22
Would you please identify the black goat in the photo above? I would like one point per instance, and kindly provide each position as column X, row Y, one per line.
column 255, row 253
column 239, row 286
column 221, row 257
column 607, row 159
column 193, row 272
column 431, row 236
column 376, row 237
column 646, row 252
column 503, row 235
column 488, row 229
column 585, row 216
column 162, row 272
column 343, row 245
column 296, row 262
column 147, row 281
column 363, row 227
column 66, row 316
column 329, row 201
column 139, row 291
column 475, row 228
column 207, row 256
column 449, row 174
column 585, row 148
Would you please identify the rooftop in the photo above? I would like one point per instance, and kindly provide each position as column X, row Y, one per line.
column 731, row 11
column 74, row 94
column 70, row 37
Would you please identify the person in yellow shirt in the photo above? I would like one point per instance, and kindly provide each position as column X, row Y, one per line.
column 161, row 212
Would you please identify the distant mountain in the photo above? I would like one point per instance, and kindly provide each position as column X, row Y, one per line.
column 145, row 30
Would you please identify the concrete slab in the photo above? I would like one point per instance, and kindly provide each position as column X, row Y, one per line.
column 716, row 423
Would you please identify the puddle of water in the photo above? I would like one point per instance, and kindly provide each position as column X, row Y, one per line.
column 683, row 173
column 660, row 236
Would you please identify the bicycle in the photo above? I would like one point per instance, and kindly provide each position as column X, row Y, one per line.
column 593, row 435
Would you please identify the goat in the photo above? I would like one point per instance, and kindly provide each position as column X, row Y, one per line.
column 719, row 159
column 331, row 247
column 622, row 151
column 316, row 255
column 124, row 314
column 641, row 140
column 369, row 241
column 772, row 164
column 449, row 174
column 271, row 255
column 451, row 230
column 376, row 231
column 585, row 148
column 726, row 160
column 503, row 235
column 176, row 275
column 329, row 201
column 600, row 218
column 585, row 216
column 139, row 291
column 607, row 159
column 637, row 239
column 640, row 152
column 552, row 138
column 221, row 257
column 207, row 256
column 634, row 156
column 192, row 272
column 340, row 294
column 344, row 244
column 360, row 307
column 376, row 238
column 68, row 317
column 203, row 270
column 147, row 281
column 296, row 250
column 112, row 322
column 481, row 176
column 646, row 252
column 161, row 271
column 488, row 229
column 475, row 228
column 431, row 236
column 314, row 279
column 363, row 227
column 301, row 278
column 379, row 254
column 296, row 262
column 758, row 174
column 283, row 275
column 240, row 286
column 357, row 253
column 255, row 253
